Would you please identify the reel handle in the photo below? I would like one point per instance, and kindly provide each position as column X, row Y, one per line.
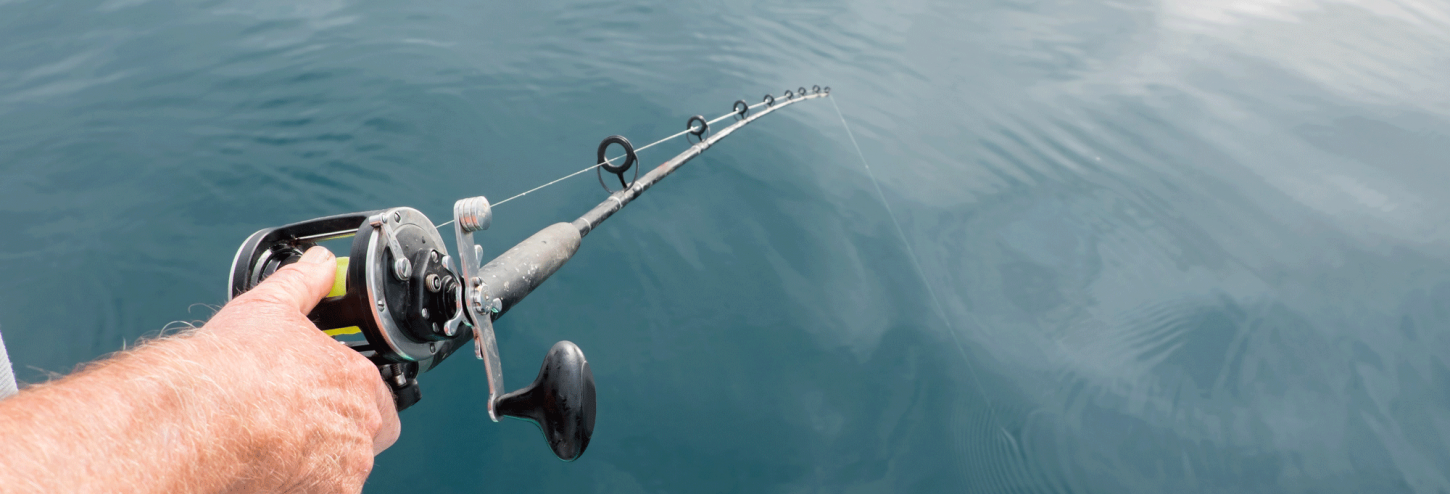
column 560, row 401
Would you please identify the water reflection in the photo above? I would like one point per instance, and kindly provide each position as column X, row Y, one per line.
column 1185, row 246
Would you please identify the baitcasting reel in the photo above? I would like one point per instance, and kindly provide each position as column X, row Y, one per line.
column 398, row 287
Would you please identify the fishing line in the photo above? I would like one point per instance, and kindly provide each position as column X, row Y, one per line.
column 611, row 160
column 936, row 301
column 722, row 117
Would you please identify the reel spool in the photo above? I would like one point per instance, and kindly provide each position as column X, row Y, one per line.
column 399, row 288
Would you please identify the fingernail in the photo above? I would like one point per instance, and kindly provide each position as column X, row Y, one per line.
column 316, row 255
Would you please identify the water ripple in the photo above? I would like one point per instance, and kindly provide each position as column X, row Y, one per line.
column 1191, row 246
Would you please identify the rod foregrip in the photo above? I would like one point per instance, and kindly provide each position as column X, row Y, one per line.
column 512, row 275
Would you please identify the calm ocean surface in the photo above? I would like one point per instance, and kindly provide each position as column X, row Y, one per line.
column 1180, row 245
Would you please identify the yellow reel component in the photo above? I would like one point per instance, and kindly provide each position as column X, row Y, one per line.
column 339, row 280
column 343, row 331
column 339, row 288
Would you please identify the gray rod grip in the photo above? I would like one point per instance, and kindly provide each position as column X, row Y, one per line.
column 511, row 276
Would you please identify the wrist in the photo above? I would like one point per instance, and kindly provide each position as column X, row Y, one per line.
column 141, row 419
column 183, row 407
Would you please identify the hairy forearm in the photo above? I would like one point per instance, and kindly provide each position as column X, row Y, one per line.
column 153, row 419
column 258, row 400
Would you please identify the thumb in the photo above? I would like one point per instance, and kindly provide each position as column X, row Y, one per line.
column 301, row 284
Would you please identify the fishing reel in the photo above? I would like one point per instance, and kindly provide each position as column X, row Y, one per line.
column 399, row 288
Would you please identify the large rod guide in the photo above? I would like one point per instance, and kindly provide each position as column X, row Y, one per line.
column 400, row 289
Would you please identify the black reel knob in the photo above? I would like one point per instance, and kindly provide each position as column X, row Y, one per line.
column 560, row 401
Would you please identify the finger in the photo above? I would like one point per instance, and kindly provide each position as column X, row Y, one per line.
column 392, row 427
column 301, row 284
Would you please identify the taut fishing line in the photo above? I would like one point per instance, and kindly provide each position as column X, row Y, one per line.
column 915, row 261
column 688, row 130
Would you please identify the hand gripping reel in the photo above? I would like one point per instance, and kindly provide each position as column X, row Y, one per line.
column 398, row 288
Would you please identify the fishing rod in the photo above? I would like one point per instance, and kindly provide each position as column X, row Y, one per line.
column 399, row 289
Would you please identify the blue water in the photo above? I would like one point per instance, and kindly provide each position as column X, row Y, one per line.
column 1179, row 246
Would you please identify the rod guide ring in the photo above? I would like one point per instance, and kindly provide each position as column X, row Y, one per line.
column 629, row 158
column 698, row 132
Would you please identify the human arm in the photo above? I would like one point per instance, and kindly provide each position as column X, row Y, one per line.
column 257, row 400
